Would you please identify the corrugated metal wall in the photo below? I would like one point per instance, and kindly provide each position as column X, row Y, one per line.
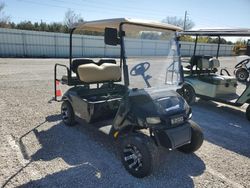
column 21, row 43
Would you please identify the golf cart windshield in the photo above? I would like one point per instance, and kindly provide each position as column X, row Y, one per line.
column 149, row 51
column 152, row 59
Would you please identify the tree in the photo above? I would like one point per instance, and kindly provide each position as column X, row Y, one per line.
column 150, row 35
column 4, row 19
column 26, row 25
column 179, row 22
column 186, row 38
column 72, row 18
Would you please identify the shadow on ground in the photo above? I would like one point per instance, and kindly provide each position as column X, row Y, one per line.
column 94, row 161
column 224, row 126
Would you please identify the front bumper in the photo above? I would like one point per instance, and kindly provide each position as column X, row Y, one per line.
column 174, row 137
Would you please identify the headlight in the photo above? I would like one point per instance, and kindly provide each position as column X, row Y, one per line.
column 188, row 110
column 153, row 120
column 190, row 114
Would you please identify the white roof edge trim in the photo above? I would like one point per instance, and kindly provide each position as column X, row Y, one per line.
column 98, row 25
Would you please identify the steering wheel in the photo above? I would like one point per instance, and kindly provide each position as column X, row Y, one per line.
column 140, row 69
column 245, row 61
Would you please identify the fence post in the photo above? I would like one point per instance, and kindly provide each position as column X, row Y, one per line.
column 55, row 42
column 82, row 46
column 141, row 46
column 190, row 45
column 24, row 44
column 155, row 47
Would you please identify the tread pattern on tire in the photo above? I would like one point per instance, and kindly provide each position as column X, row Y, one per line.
column 144, row 142
column 239, row 71
column 248, row 113
column 196, row 139
column 71, row 118
column 191, row 91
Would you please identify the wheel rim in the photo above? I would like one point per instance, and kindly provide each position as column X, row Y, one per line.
column 242, row 76
column 132, row 157
column 65, row 113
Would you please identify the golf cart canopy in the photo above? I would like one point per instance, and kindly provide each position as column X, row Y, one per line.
column 218, row 32
column 100, row 25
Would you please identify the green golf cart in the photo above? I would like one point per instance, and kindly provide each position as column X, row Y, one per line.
column 202, row 78
column 138, row 94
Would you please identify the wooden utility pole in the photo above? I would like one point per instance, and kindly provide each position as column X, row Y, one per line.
column 185, row 18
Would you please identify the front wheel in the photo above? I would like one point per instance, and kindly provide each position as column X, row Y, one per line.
column 196, row 139
column 248, row 112
column 241, row 74
column 138, row 154
column 188, row 93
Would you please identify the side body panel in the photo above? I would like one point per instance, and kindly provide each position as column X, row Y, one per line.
column 208, row 89
column 245, row 97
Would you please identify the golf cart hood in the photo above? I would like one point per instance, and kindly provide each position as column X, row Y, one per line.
column 157, row 103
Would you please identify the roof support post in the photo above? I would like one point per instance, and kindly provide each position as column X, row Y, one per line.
column 195, row 44
column 123, row 55
column 218, row 48
column 70, row 50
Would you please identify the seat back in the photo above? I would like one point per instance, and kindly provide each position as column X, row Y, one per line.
column 203, row 63
column 214, row 63
column 77, row 62
column 94, row 73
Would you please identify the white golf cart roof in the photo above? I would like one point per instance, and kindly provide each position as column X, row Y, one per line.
column 219, row 32
column 100, row 25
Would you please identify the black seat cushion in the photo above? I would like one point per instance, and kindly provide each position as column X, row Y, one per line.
column 101, row 61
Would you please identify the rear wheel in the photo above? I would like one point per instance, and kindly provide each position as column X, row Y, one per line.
column 139, row 154
column 68, row 115
column 196, row 139
column 188, row 93
column 241, row 74
column 248, row 112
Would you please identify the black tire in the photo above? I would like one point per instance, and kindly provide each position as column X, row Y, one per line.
column 139, row 154
column 248, row 112
column 241, row 74
column 196, row 139
column 68, row 115
column 188, row 93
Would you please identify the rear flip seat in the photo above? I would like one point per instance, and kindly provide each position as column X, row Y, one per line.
column 213, row 63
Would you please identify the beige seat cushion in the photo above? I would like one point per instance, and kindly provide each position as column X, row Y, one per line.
column 91, row 73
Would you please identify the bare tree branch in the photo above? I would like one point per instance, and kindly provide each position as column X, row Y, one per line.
column 72, row 18
column 4, row 19
column 179, row 22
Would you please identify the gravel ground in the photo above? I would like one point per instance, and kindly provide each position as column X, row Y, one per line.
column 37, row 150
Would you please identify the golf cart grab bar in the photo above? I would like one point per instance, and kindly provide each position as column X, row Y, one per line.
column 225, row 71
column 58, row 80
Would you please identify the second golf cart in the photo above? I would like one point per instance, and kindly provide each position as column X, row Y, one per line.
column 203, row 79
column 146, row 111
